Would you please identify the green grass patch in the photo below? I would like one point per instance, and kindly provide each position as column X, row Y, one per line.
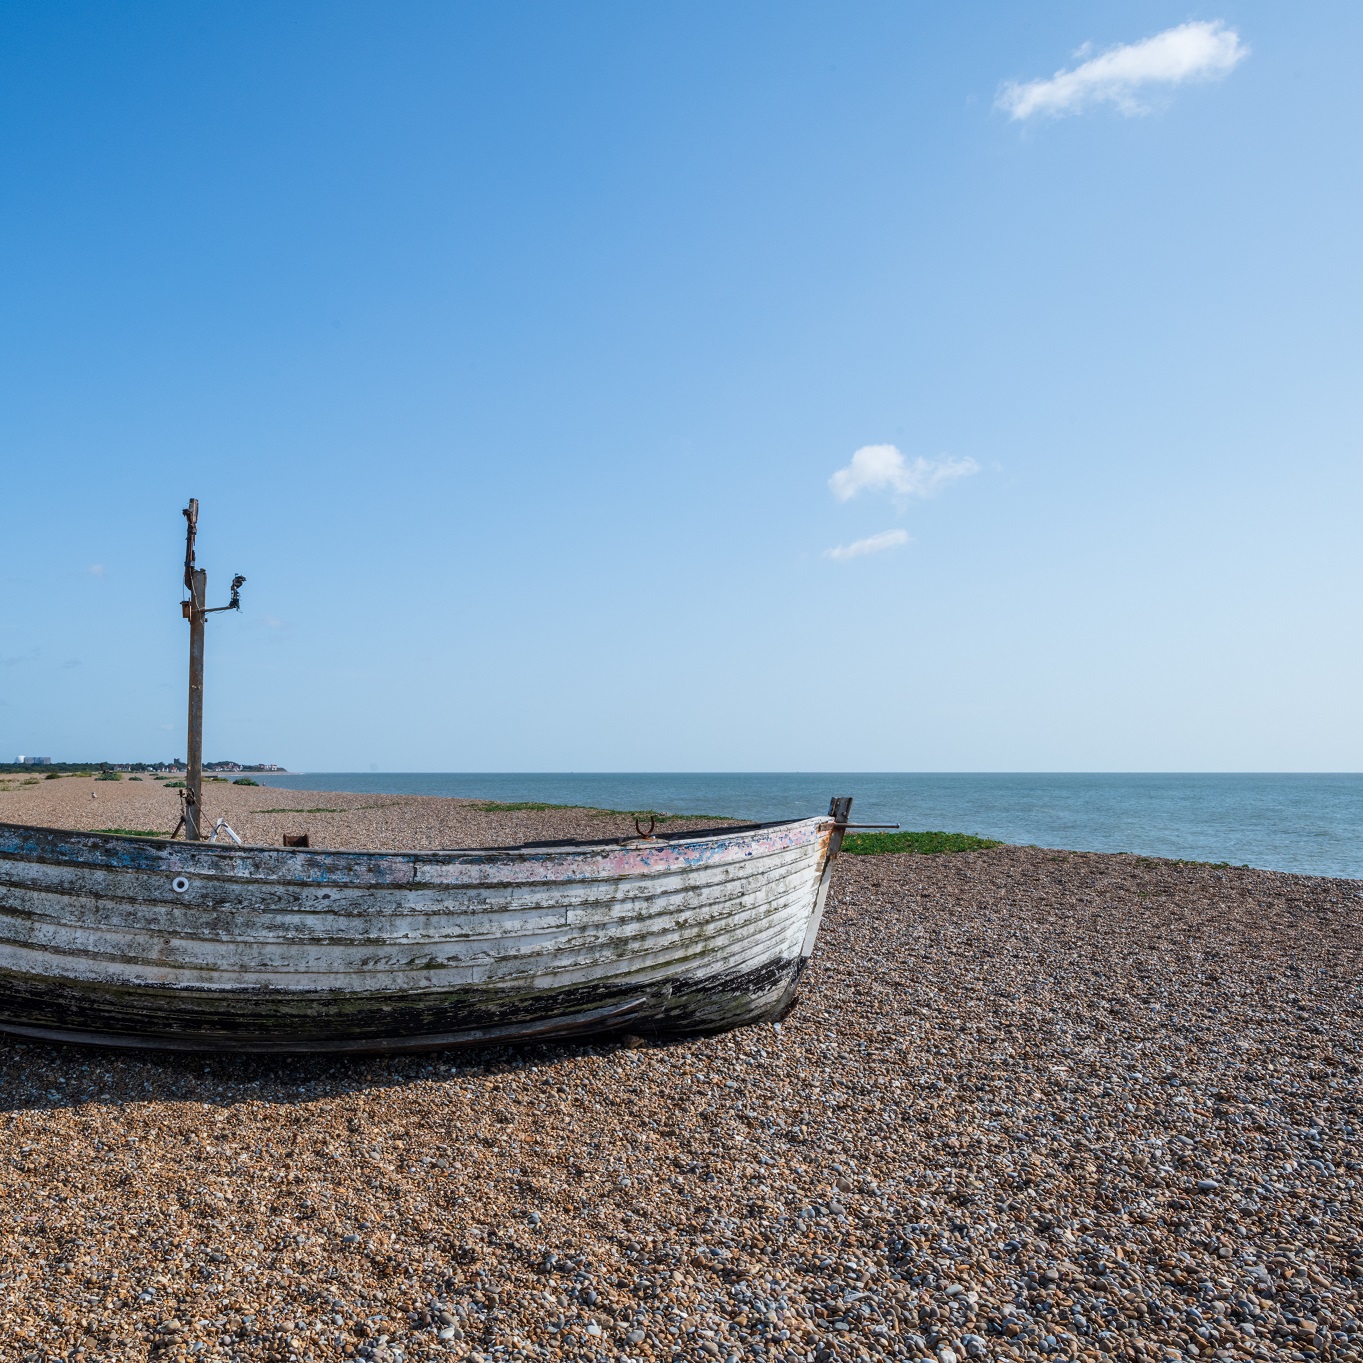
column 539, row 807
column 173, row 785
column 525, row 806
column 316, row 809
column 109, row 776
column 928, row 844
column 245, row 781
column 653, row 814
column 133, row 832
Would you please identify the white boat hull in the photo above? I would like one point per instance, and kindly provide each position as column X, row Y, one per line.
column 129, row 941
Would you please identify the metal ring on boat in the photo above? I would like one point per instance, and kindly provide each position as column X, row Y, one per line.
column 179, row 884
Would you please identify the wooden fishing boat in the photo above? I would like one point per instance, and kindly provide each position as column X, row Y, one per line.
column 195, row 946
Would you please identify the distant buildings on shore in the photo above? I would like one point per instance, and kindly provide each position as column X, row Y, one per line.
column 237, row 766
column 178, row 765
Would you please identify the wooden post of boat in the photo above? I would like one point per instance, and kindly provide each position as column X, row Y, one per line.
column 196, row 583
column 196, row 612
column 839, row 810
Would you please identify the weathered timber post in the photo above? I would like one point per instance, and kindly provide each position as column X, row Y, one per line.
column 196, row 612
column 196, row 583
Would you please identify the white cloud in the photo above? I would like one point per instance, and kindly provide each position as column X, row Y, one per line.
column 1193, row 51
column 96, row 570
column 881, row 468
column 873, row 544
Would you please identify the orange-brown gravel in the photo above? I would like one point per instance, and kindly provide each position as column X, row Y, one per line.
column 261, row 815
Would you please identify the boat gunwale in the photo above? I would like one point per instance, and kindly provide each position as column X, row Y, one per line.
column 520, row 854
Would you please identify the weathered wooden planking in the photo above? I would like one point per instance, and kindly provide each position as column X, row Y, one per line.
column 192, row 945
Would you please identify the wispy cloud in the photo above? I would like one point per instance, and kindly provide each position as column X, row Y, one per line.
column 1121, row 75
column 96, row 570
column 881, row 468
column 873, row 544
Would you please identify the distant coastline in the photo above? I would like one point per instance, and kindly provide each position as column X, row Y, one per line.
column 44, row 765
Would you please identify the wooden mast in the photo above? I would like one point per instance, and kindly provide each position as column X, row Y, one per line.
column 196, row 584
column 196, row 612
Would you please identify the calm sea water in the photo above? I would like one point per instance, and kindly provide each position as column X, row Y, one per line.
column 1307, row 823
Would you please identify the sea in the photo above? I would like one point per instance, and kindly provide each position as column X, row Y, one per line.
column 1302, row 822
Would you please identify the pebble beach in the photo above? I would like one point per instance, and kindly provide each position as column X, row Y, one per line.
column 1031, row 1105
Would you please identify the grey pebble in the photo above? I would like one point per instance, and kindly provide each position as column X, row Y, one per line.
column 1000, row 1165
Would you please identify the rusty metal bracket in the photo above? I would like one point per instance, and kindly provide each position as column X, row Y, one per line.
column 840, row 806
column 175, row 832
column 234, row 604
column 646, row 832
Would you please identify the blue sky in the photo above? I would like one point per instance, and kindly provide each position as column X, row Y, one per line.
column 511, row 351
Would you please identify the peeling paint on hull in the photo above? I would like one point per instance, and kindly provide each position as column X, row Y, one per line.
column 128, row 941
